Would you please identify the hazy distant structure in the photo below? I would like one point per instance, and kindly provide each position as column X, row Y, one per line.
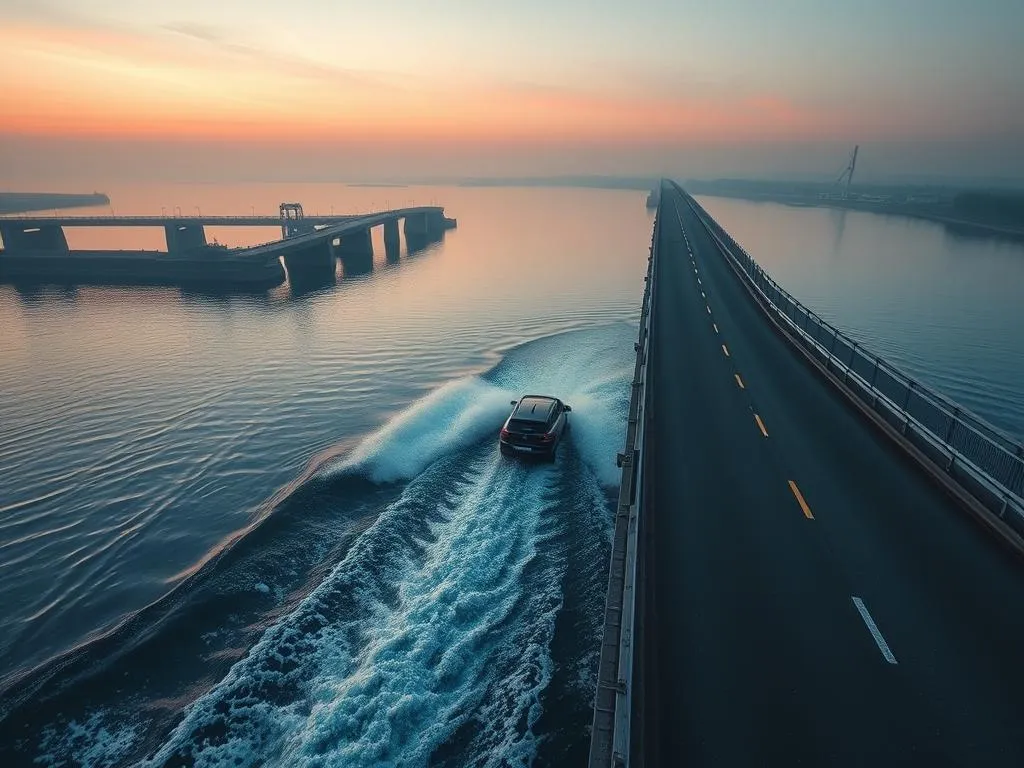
column 291, row 219
column 847, row 173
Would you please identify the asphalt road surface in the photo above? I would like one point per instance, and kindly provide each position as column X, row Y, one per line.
column 812, row 598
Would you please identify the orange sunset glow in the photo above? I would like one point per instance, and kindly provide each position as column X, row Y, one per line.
column 87, row 82
column 402, row 76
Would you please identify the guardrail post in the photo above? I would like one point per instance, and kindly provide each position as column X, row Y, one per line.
column 955, row 416
column 874, row 376
column 846, row 371
column 906, row 401
column 831, row 349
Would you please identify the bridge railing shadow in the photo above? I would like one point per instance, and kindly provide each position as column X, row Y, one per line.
column 981, row 458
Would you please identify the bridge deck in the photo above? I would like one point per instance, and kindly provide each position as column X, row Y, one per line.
column 354, row 224
column 812, row 599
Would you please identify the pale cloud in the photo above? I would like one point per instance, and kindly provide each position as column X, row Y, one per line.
column 188, row 79
column 193, row 29
column 101, row 79
column 192, row 79
column 297, row 66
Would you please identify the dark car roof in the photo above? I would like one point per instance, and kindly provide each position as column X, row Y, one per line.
column 534, row 408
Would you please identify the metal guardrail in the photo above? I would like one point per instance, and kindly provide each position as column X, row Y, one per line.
column 986, row 462
column 610, row 732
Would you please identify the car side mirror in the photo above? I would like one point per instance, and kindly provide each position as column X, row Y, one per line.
column 568, row 409
column 514, row 402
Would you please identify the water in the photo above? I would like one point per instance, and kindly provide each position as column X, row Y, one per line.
column 316, row 470
column 946, row 309
column 273, row 529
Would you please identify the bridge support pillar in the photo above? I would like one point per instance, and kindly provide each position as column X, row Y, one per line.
column 355, row 249
column 356, row 253
column 392, row 240
column 422, row 230
column 314, row 263
column 356, row 243
column 46, row 239
column 416, row 225
column 357, row 264
column 182, row 237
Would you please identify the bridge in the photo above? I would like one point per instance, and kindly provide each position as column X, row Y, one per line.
column 36, row 246
column 816, row 559
column 351, row 238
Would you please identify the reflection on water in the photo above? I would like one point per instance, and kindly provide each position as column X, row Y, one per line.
column 299, row 282
column 143, row 424
column 838, row 216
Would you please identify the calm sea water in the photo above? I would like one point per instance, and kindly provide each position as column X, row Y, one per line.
column 283, row 513
column 946, row 309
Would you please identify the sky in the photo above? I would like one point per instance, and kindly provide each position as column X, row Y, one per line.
column 392, row 89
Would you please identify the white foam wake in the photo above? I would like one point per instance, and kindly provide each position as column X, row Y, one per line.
column 437, row 625
column 385, row 660
column 589, row 370
column 458, row 414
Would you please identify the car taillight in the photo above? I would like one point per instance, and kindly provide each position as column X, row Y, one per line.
column 547, row 437
column 504, row 433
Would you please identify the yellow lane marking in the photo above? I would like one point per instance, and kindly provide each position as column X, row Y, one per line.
column 739, row 381
column 760, row 425
column 715, row 326
column 800, row 499
column 725, row 349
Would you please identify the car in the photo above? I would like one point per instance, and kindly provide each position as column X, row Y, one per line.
column 535, row 427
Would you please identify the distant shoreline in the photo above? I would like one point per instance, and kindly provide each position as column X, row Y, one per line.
column 933, row 212
column 23, row 202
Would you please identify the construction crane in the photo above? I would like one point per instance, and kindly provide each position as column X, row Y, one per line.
column 847, row 173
